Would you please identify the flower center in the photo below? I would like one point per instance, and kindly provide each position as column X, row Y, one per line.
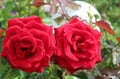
column 80, row 45
column 24, row 49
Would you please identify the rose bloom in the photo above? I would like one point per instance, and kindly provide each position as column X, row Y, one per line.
column 78, row 46
column 28, row 44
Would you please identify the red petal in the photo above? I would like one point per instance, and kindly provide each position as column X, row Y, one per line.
column 15, row 22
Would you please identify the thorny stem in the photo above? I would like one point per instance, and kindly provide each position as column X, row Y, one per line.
column 29, row 8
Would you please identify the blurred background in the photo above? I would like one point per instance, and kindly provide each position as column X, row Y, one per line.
column 109, row 68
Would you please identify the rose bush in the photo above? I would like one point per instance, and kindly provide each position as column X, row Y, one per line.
column 29, row 44
column 78, row 46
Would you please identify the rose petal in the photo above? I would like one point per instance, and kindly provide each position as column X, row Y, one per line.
column 15, row 22
column 69, row 54
column 31, row 18
column 82, row 64
column 42, row 36
column 74, row 42
column 11, row 32
column 38, row 26
column 40, row 51
column 74, row 20
column 62, row 62
column 44, row 62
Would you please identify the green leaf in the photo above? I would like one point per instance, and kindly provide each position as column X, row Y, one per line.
column 71, row 77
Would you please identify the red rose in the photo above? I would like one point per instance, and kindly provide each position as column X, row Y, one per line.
column 78, row 46
column 28, row 44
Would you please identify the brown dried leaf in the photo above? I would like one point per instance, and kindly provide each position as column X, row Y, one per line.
column 1, row 32
column 118, row 39
column 104, row 25
column 38, row 3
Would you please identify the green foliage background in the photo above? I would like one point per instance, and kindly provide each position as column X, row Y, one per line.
column 109, row 10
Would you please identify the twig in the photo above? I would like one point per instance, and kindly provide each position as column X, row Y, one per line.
column 17, row 8
column 63, row 10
